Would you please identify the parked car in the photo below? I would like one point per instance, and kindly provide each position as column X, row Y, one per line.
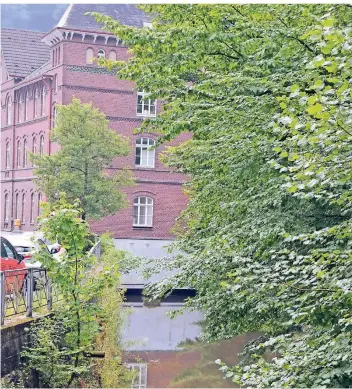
column 13, row 261
column 25, row 246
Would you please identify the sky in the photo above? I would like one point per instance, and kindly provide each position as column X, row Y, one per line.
column 35, row 17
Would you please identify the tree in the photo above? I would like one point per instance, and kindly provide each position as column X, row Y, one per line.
column 87, row 147
column 88, row 316
column 266, row 238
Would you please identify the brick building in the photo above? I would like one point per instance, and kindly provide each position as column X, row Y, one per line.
column 41, row 70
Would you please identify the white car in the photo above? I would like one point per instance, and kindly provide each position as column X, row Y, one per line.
column 24, row 245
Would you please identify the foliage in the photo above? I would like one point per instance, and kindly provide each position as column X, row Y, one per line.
column 87, row 147
column 60, row 347
column 266, row 238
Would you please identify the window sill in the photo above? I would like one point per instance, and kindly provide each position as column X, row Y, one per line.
column 142, row 227
column 144, row 167
column 146, row 115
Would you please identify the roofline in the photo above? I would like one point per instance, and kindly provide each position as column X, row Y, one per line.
column 23, row 29
column 40, row 76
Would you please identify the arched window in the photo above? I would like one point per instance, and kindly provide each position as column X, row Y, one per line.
column 145, row 152
column 112, row 55
column 17, row 206
column 26, row 101
column 8, row 156
column 23, row 214
column 36, row 102
column 43, row 101
column 89, row 55
column 39, row 201
column 145, row 106
column 101, row 53
column 25, row 153
column 55, row 83
column 6, row 208
column 54, row 57
column 20, row 109
column 58, row 56
column 54, row 116
column 8, row 110
column 31, row 218
column 34, row 146
column 18, row 153
column 143, row 211
column 41, row 146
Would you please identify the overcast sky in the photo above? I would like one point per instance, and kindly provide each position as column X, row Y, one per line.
column 35, row 17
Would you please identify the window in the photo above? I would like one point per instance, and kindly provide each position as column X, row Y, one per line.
column 139, row 380
column 101, row 53
column 54, row 116
column 145, row 106
column 112, row 55
column 43, row 101
column 143, row 212
column 17, row 206
column 54, row 57
column 8, row 111
column 58, row 56
column 18, row 153
column 9, row 251
column 20, row 109
column 25, row 153
column 6, row 209
column 145, row 152
column 89, row 55
column 39, row 201
column 32, row 209
column 23, row 208
column 36, row 102
column 8, row 161
column 41, row 146
column 147, row 25
column 34, row 146
column 26, row 101
column 55, row 83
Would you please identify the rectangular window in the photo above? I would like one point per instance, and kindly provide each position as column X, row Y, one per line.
column 139, row 380
column 145, row 106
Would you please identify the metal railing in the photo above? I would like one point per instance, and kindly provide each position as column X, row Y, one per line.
column 24, row 291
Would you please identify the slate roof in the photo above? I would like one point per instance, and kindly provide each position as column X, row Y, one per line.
column 127, row 14
column 23, row 51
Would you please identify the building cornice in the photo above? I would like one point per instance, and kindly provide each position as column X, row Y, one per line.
column 60, row 34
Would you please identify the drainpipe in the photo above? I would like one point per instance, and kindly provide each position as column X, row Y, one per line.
column 13, row 158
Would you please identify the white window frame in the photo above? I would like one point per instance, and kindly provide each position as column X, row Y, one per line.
column 41, row 146
column 36, row 98
column 25, row 153
column 8, row 155
column 18, row 153
column 8, row 111
column 23, row 214
column 31, row 215
column 20, row 106
column 6, row 207
column 26, row 101
column 147, row 160
column 140, row 381
column 43, row 102
column 148, row 212
column 145, row 105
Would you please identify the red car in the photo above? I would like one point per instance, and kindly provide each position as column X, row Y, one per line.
column 15, row 268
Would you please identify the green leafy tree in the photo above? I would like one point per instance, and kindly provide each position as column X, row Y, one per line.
column 266, row 238
column 61, row 346
column 87, row 148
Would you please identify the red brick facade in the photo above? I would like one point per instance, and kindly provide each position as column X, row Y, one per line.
column 70, row 76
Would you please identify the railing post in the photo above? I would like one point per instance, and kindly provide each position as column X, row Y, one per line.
column 49, row 290
column 29, row 297
column 3, row 296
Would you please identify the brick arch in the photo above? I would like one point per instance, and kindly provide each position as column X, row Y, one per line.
column 138, row 193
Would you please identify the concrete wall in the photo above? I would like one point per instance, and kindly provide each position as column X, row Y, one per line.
column 13, row 338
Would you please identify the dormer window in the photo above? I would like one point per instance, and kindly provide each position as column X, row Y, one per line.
column 101, row 53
